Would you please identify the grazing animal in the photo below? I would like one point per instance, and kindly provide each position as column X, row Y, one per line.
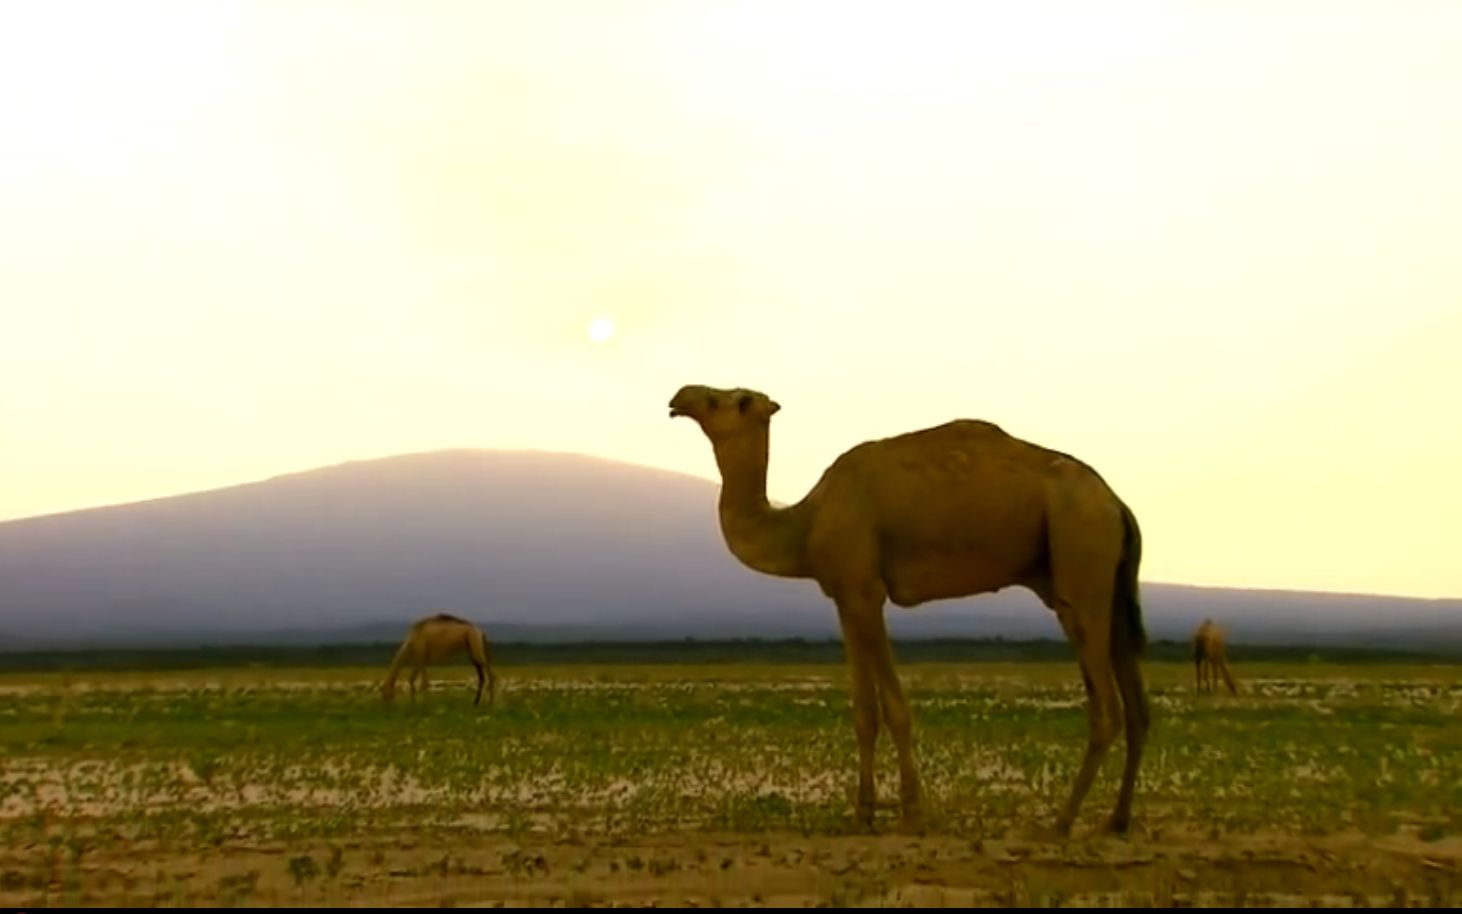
column 1210, row 658
column 437, row 638
column 955, row 510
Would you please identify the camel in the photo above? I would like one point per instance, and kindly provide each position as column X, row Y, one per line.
column 950, row 511
column 1210, row 657
column 433, row 639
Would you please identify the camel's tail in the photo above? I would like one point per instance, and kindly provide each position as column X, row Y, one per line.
column 1128, row 632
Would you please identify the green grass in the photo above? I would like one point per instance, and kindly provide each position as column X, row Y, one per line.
column 241, row 785
column 270, row 755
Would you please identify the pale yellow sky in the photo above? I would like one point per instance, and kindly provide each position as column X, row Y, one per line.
column 1211, row 248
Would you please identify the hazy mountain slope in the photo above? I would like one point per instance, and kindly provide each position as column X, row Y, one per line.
column 554, row 545
column 512, row 535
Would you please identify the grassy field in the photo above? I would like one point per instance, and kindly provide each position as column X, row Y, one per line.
column 718, row 784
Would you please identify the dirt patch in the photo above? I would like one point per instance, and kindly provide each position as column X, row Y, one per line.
column 705, row 869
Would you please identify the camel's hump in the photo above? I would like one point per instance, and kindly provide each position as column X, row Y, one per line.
column 956, row 428
column 966, row 434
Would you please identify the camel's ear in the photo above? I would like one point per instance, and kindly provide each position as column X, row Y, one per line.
column 772, row 407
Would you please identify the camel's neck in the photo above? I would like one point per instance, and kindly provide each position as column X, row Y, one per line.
column 395, row 669
column 766, row 539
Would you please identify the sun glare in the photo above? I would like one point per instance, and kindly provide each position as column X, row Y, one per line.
column 601, row 329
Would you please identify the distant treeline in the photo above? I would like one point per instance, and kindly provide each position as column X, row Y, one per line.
column 790, row 651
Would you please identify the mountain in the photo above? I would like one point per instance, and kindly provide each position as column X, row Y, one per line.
column 535, row 546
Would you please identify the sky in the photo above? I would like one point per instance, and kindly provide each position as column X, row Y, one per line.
column 1210, row 248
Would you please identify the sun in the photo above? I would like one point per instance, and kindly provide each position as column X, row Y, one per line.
column 601, row 329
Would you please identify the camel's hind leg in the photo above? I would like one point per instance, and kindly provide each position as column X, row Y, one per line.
column 1082, row 586
column 481, row 681
column 1103, row 721
column 481, row 656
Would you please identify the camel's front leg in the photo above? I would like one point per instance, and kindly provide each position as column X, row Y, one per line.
column 1227, row 678
column 865, row 714
column 897, row 716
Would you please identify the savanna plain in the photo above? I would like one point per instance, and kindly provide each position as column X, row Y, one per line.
column 720, row 784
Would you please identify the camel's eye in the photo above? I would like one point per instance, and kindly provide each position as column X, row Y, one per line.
column 744, row 403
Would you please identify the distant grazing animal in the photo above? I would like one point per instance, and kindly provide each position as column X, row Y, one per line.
column 1210, row 657
column 945, row 512
column 437, row 638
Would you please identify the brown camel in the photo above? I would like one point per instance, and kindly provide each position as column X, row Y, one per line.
column 946, row 512
column 434, row 639
column 1210, row 657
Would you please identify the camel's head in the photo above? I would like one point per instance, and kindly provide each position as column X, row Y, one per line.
column 388, row 691
column 723, row 413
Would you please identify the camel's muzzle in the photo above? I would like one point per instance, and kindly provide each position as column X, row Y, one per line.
column 684, row 403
